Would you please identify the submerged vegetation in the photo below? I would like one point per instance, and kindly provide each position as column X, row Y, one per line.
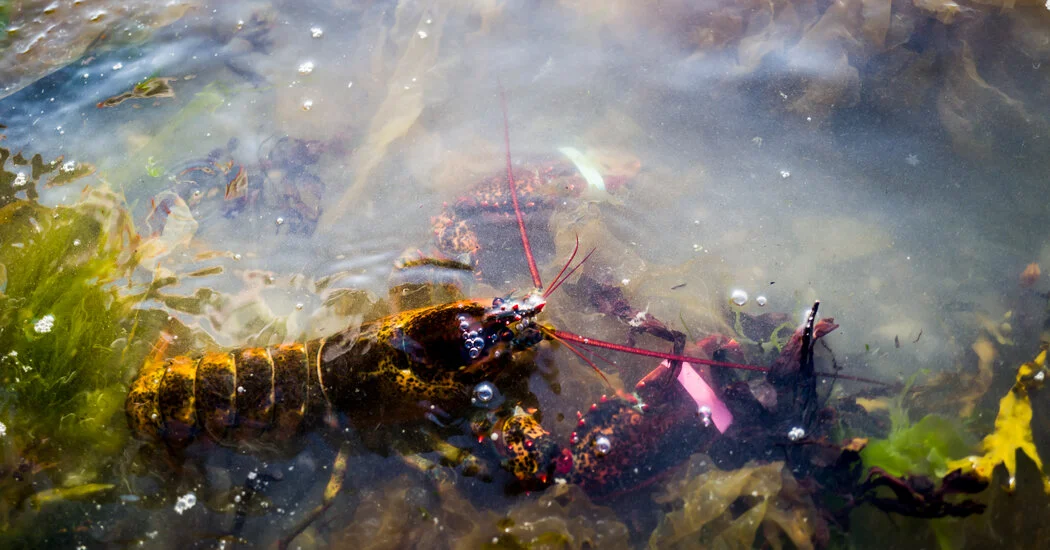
column 68, row 331
column 64, row 332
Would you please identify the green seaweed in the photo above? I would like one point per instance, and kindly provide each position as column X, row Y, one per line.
column 923, row 448
column 63, row 330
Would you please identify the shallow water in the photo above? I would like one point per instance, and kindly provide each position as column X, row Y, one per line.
column 887, row 160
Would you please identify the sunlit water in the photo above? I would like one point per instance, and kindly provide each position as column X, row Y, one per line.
column 904, row 226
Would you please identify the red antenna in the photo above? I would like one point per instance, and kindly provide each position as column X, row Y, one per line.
column 561, row 334
column 566, row 337
column 514, row 194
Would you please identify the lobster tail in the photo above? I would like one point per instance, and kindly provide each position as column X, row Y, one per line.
column 216, row 393
column 232, row 397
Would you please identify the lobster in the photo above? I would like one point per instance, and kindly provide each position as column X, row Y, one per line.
column 420, row 364
column 395, row 369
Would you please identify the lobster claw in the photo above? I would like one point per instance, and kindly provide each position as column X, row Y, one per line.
column 529, row 451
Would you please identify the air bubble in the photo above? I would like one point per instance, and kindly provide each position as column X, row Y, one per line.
column 308, row 104
column 602, row 445
column 316, row 32
column 484, row 392
column 474, row 353
column 796, row 433
column 280, row 221
column 185, row 502
column 705, row 415
column 738, row 297
column 463, row 325
column 761, row 301
column 306, row 67
column 20, row 179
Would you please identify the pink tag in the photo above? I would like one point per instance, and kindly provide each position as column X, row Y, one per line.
column 703, row 395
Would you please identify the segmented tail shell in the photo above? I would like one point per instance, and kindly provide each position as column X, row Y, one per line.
column 231, row 397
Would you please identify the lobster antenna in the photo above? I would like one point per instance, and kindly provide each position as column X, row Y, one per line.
column 566, row 277
column 577, row 352
column 514, row 194
column 566, row 266
column 570, row 337
column 648, row 353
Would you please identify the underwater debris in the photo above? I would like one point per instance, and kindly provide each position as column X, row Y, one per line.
column 152, row 88
column 919, row 496
column 1031, row 274
column 62, row 494
column 20, row 185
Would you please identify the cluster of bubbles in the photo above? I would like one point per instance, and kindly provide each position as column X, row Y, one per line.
column 185, row 502
column 796, row 433
column 740, row 298
column 472, row 339
column 44, row 324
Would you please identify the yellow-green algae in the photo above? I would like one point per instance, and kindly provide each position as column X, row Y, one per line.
column 65, row 320
column 925, row 447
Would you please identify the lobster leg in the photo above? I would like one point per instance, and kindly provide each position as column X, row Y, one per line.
column 335, row 485
column 453, row 457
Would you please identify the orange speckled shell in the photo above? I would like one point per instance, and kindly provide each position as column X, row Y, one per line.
column 141, row 404
column 290, row 388
column 176, row 400
column 254, row 392
column 216, row 393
